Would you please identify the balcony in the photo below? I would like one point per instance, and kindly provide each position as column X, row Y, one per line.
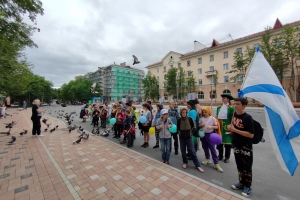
column 210, row 73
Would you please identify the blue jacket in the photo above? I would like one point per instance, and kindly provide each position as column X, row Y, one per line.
column 156, row 117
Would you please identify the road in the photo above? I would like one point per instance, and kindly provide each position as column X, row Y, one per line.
column 269, row 180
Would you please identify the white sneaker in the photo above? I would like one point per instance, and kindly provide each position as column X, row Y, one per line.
column 206, row 161
column 41, row 135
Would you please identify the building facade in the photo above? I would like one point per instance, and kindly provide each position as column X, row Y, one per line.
column 119, row 81
column 205, row 62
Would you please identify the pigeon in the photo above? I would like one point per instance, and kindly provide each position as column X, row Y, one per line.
column 56, row 126
column 93, row 89
column 52, row 130
column 77, row 141
column 135, row 61
column 70, row 130
column 46, row 130
column 13, row 139
column 24, row 132
column 48, row 125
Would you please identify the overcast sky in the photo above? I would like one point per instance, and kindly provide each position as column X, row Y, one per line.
column 77, row 36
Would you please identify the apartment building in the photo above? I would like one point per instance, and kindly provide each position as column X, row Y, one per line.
column 119, row 81
column 205, row 62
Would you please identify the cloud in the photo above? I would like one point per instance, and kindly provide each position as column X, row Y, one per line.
column 78, row 36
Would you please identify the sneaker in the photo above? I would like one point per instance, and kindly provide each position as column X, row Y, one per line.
column 156, row 146
column 123, row 142
column 143, row 145
column 218, row 167
column 238, row 186
column 41, row 135
column 206, row 161
column 146, row 145
column 246, row 192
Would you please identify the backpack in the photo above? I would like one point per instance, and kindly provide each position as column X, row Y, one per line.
column 258, row 131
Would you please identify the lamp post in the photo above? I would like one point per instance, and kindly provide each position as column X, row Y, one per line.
column 211, row 95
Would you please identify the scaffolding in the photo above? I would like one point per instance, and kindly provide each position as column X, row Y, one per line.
column 123, row 82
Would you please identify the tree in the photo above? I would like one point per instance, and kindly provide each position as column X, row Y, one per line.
column 215, row 78
column 181, row 81
column 151, row 87
column 171, row 82
column 191, row 83
column 14, row 37
column 271, row 48
column 290, row 46
column 241, row 64
column 76, row 90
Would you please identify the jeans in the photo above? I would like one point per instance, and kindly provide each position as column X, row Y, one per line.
column 187, row 144
column 165, row 147
column 118, row 130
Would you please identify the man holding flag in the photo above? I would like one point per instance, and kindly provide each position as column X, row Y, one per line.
column 242, row 131
column 283, row 124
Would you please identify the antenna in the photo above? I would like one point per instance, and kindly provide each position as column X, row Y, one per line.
column 230, row 36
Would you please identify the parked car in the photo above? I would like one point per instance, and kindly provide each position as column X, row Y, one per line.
column 63, row 105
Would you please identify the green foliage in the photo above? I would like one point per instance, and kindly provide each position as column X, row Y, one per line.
column 272, row 50
column 151, row 87
column 282, row 53
column 191, row 83
column 241, row 64
column 171, row 83
column 16, row 76
column 181, row 81
column 76, row 90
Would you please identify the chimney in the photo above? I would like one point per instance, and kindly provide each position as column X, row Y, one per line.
column 198, row 46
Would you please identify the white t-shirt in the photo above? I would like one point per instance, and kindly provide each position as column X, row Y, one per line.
column 210, row 121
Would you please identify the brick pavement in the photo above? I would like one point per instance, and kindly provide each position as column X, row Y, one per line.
column 51, row 167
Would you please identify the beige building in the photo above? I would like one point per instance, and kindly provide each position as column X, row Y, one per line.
column 205, row 62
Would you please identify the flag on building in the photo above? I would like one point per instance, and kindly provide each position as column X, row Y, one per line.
column 283, row 124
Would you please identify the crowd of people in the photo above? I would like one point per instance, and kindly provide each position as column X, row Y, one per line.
column 230, row 123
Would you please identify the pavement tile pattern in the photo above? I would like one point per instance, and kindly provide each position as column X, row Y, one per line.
column 51, row 167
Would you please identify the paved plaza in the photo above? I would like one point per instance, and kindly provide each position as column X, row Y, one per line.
column 51, row 167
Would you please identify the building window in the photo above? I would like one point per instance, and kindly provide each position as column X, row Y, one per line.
column 225, row 54
column 211, row 68
column 157, row 70
column 278, row 42
column 179, row 65
column 256, row 46
column 212, row 80
column 226, row 92
column 225, row 67
column 189, row 73
column 164, row 85
column 211, row 58
column 226, row 79
column 165, row 68
column 165, row 77
column 157, row 78
column 199, row 81
column 171, row 66
column 240, row 78
column 200, row 71
column 200, row 95
column 239, row 50
column 199, row 60
column 188, row 63
column 166, row 97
